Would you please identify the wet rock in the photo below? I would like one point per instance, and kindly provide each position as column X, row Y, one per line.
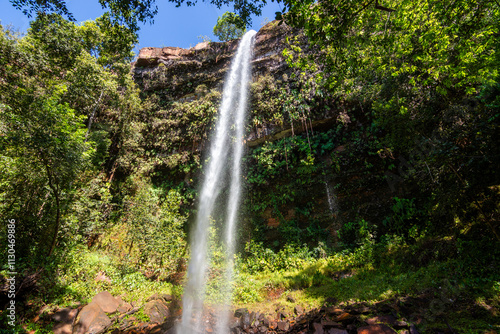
column 126, row 323
column 240, row 312
column 234, row 322
column 156, row 310
column 283, row 325
column 253, row 317
column 334, row 310
column 318, row 328
column 160, row 296
column 400, row 324
column 64, row 319
column 329, row 324
column 376, row 329
column 106, row 301
column 245, row 320
column 345, row 317
column 281, row 315
column 336, row 331
column 123, row 307
column 360, row 310
column 91, row 319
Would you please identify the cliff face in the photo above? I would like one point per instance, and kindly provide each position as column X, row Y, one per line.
column 299, row 150
column 184, row 75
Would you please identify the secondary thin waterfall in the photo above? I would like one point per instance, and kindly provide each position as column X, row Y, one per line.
column 227, row 144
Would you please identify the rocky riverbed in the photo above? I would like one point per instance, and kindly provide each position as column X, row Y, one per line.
column 160, row 313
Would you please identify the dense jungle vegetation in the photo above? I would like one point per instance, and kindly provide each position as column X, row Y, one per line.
column 386, row 173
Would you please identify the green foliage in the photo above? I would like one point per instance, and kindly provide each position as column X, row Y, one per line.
column 63, row 41
column 47, row 136
column 229, row 26
column 404, row 218
column 130, row 13
column 90, row 210
column 64, row 108
column 154, row 225
column 85, row 273
column 416, row 73
column 259, row 258
column 175, row 133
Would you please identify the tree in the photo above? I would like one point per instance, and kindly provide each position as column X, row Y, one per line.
column 63, row 108
column 48, row 136
column 229, row 26
column 417, row 69
column 131, row 12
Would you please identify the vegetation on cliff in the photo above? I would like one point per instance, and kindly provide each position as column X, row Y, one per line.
column 371, row 166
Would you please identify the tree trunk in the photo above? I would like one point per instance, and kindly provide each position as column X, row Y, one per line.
column 58, row 222
column 55, row 189
column 91, row 118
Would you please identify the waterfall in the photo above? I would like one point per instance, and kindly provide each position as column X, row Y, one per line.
column 226, row 145
column 332, row 199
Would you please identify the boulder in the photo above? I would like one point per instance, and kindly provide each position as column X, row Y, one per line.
column 283, row 325
column 345, row 317
column 160, row 296
column 281, row 315
column 91, row 319
column 329, row 324
column 334, row 310
column 376, row 329
column 318, row 328
column 239, row 312
column 337, row 331
column 64, row 320
column 106, row 301
column 245, row 320
column 298, row 310
column 157, row 311
column 123, row 307
column 201, row 46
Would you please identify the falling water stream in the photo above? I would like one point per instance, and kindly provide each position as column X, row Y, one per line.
column 332, row 199
column 226, row 151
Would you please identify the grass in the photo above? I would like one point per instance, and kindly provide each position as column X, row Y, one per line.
column 436, row 294
column 84, row 273
column 432, row 287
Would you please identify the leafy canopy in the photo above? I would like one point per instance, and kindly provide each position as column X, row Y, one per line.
column 131, row 12
column 229, row 26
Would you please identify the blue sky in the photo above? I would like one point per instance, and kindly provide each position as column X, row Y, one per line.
column 172, row 26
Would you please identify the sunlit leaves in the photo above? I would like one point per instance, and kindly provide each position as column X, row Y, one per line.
column 229, row 26
column 130, row 12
